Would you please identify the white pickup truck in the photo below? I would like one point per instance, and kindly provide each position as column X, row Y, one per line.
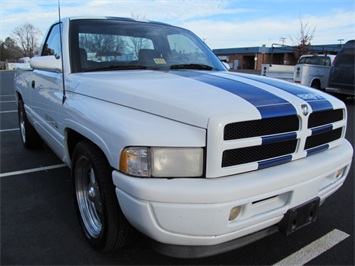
column 313, row 70
column 160, row 137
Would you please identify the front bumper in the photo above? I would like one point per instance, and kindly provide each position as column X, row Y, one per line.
column 195, row 212
column 193, row 252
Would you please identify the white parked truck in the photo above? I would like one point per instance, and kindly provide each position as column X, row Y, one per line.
column 160, row 137
column 313, row 70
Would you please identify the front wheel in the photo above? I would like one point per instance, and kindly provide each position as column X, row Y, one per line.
column 100, row 216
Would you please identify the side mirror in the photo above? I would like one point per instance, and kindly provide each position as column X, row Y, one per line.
column 49, row 63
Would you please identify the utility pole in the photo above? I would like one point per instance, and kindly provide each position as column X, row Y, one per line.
column 283, row 40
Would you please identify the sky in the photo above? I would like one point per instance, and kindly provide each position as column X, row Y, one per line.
column 220, row 23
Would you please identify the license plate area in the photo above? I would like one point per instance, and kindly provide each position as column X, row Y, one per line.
column 299, row 216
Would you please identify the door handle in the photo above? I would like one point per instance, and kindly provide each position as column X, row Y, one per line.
column 33, row 84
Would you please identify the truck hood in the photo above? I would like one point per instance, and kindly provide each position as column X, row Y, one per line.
column 193, row 97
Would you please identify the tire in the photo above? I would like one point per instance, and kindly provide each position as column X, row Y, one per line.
column 316, row 84
column 101, row 218
column 29, row 136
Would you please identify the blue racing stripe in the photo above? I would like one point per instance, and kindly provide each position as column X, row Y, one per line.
column 318, row 149
column 278, row 138
column 320, row 130
column 316, row 101
column 268, row 104
column 273, row 162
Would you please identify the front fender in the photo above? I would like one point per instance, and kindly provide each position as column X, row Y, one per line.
column 22, row 83
column 113, row 127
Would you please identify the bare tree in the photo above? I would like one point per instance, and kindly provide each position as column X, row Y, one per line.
column 136, row 43
column 102, row 44
column 26, row 37
column 302, row 41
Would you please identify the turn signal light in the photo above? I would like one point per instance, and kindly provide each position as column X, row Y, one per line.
column 235, row 211
column 339, row 173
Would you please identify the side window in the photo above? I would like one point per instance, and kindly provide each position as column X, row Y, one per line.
column 181, row 44
column 345, row 58
column 52, row 45
column 184, row 48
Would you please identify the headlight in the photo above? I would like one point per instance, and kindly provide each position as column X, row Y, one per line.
column 162, row 162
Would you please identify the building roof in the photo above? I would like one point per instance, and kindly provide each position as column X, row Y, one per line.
column 277, row 49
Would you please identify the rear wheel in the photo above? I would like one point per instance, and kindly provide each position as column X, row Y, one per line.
column 316, row 84
column 101, row 218
column 29, row 136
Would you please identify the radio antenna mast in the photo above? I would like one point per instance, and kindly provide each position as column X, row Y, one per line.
column 61, row 51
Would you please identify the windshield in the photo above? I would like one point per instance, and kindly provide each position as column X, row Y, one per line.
column 113, row 44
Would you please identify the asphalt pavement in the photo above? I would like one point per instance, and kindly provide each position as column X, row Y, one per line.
column 39, row 225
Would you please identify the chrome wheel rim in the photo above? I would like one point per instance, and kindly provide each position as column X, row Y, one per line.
column 89, row 197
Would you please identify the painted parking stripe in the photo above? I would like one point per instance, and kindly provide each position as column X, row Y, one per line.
column 7, row 112
column 39, row 169
column 9, row 130
column 7, row 96
column 314, row 249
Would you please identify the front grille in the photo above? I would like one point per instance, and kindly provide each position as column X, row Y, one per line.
column 323, row 138
column 279, row 137
column 258, row 153
column 325, row 117
column 262, row 127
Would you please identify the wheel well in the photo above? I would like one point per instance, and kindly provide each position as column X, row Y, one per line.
column 18, row 96
column 316, row 84
column 73, row 138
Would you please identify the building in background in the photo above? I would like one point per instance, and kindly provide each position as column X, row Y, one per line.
column 253, row 57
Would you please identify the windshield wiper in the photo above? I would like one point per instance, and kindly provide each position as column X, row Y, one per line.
column 191, row 66
column 116, row 67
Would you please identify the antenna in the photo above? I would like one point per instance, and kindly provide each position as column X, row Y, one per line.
column 61, row 51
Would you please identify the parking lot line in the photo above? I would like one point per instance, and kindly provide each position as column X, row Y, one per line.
column 6, row 112
column 314, row 249
column 7, row 101
column 8, row 130
column 38, row 169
